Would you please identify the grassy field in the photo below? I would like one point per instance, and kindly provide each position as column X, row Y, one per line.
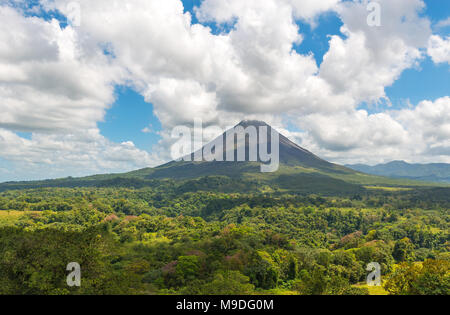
column 388, row 188
column 9, row 217
column 373, row 290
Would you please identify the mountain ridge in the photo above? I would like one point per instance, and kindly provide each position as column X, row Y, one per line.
column 435, row 172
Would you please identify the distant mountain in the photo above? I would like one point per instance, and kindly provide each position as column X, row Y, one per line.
column 300, row 171
column 439, row 173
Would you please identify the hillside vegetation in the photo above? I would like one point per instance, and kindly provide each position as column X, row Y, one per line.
column 200, row 237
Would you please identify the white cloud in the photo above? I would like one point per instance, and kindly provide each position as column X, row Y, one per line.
column 417, row 134
column 224, row 11
column 372, row 58
column 56, row 85
column 48, row 81
column 186, row 72
column 439, row 49
column 81, row 154
column 148, row 129
column 443, row 23
column 309, row 9
column 431, row 120
column 347, row 131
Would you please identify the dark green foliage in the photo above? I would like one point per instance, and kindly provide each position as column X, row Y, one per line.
column 316, row 183
column 160, row 240
column 403, row 250
column 35, row 262
column 228, row 283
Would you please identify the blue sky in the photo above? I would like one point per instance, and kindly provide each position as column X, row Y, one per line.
column 127, row 119
column 130, row 114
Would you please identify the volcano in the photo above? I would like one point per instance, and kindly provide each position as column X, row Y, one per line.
column 293, row 160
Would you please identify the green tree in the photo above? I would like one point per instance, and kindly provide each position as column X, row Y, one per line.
column 35, row 262
column 187, row 269
column 403, row 250
column 263, row 271
column 432, row 278
column 228, row 283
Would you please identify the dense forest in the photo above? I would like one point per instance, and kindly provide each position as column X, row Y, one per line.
column 183, row 238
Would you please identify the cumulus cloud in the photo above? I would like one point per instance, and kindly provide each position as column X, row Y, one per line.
column 224, row 11
column 429, row 119
column 80, row 154
column 56, row 86
column 251, row 69
column 443, row 23
column 347, row 131
column 309, row 9
column 439, row 49
column 417, row 134
column 47, row 81
column 372, row 58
